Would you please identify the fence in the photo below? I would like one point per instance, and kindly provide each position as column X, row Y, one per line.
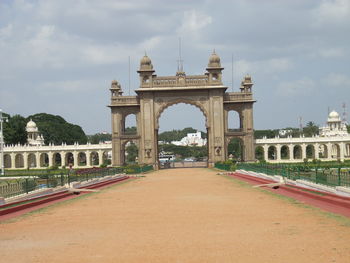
column 331, row 176
column 13, row 187
column 221, row 166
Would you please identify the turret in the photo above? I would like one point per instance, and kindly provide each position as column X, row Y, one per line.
column 247, row 84
column 115, row 89
column 146, row 72
column 214, row 69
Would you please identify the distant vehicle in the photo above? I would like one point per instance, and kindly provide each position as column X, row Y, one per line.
column 189, row 160
column 166, row 158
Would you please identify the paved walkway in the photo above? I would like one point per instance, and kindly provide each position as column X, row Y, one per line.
column 180, row 215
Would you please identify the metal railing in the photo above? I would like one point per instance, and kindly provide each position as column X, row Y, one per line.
column 330, row 176
column 10, row 187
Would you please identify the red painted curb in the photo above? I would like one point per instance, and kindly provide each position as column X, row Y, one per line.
column 53, row 197
column 326, row 201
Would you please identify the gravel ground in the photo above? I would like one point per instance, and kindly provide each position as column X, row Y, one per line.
column 179, row 215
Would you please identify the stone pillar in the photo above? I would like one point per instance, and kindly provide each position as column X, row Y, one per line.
column 248, row 141
column 50, row 159
column 25, row 160
column 117, row 119
column 88, row 158
column 217, row 133
column 329, row 152
column 342, row 151
column 148, row 152
column 291, row 152
column 37, row 159
column 317, row 150
column 278, row 153
column 266, row 152
column 303, row 151
column 100, row 158
column 63, row 159
column 75, row 159
column 13, row 160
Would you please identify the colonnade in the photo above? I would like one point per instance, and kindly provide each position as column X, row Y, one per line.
column 298, row 149
column 75, row 156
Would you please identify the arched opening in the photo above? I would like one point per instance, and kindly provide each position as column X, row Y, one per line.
column 310, row 151
column 259, row 153
column 57, row 159
column 285, row 152
column 81, row 159
column 131, row 152
column 94, row 160
column 7, row 161
column 106, row 157
column 323, row 151
column 44, row 160
column 347, row 150
column 272, row 153
column 130, row 125
column 235, row 150
column 335, row 151
column 182, row 135
column 69, row 160
column 32, row 160
column 297, row 152
column 19, row 161
column 233, row 121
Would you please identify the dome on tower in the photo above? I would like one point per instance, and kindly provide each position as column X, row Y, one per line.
column 31, row 126
column 214, row 61
column 146, row 63
column 333, row 117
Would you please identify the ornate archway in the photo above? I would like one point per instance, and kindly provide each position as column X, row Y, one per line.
column 206, row 92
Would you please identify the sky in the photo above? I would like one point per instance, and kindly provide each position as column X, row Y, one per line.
column 60, row 56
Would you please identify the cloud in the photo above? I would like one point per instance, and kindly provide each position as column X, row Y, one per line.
column 337, row 80
column 332, row 11
column 268, row 66
column 296, row 87
column 6, row 31
column 193, row 21
column 59, row 47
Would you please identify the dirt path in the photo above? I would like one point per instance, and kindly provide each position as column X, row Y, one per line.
column 182, row 215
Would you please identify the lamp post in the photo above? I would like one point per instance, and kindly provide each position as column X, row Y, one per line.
column 2, row 119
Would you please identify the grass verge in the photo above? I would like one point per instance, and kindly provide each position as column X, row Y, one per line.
column 64, row 202
column 342, row 220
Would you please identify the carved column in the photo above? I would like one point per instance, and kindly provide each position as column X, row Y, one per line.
column 248, row 139
column 148, row 143
column 117, row 121
column 216, row 123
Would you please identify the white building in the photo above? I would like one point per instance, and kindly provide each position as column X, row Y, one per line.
column 332, row 144
column 34, row 138
column 37, row 155
column 335, row 127
column 192, row 139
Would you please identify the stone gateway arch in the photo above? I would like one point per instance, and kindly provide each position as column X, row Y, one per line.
column 205, row 92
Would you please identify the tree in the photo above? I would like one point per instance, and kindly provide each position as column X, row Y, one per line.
column 259, row 153
column 56, row 130
column 132, row 152
column 235, row 148
column 259, row 134
column 99, row 137
column 177, row 135
column 15, row 130
column 311, row 129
